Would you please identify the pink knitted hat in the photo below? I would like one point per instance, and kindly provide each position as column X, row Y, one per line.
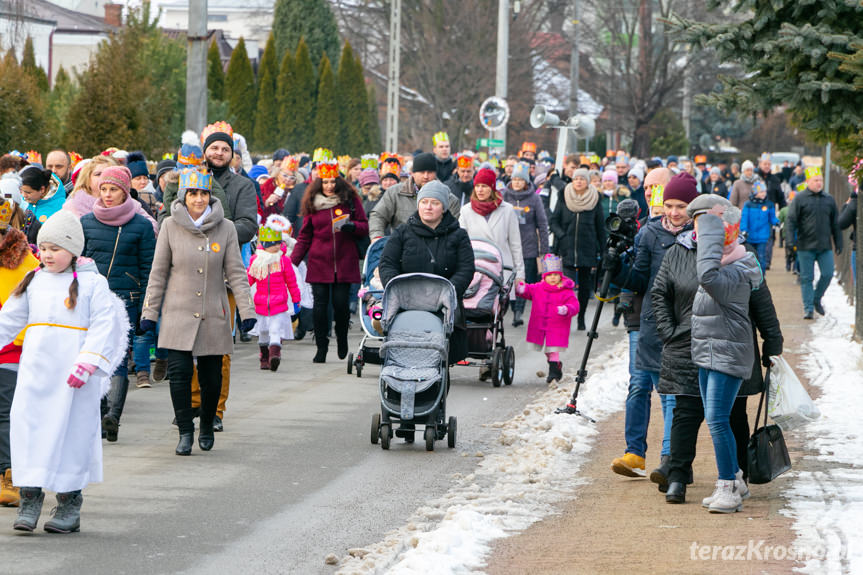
column 120, row 176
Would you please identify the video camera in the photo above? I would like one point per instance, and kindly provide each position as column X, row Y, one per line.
column 622, row 227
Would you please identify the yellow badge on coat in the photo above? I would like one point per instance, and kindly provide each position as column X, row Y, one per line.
column 42, row 218
column 764, row 208
column 338, row 211
column 216, row 247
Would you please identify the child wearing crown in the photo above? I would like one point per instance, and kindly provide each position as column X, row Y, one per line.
column 554, row 304
column 71, row 317
column 277, row 297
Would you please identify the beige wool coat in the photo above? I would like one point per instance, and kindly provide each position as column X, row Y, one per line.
column 187, row 282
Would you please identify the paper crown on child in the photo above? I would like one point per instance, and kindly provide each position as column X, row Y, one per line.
column 440, row 138
column 758, row 186
column 551, row 264
column 217, row 127
column 369, row 161
column 656, row 196
column 322, row 155
column 328, row 169
column 812, row 171
column 273, row 228
column 7, row 210
column 194, row 179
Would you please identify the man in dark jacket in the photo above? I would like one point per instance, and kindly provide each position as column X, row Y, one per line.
column 812, row 222
column 443, row 159
column 848, row 219
column 461, row 183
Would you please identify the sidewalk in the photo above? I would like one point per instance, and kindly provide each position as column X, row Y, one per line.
column 621, row 525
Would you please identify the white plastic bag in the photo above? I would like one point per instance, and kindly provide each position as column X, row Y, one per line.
column 790, row 406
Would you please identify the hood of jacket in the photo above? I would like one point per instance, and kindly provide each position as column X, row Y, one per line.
column 181, row 215
column 565, row 283
column 447, row 225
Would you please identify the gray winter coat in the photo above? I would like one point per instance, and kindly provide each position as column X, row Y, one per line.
column 532, row 221
column 721, row 330
column 396, row 205
column 242, row 202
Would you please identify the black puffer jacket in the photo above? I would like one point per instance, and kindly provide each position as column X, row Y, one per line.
column 848, row 219
column 123, row 254
column 579, row 236
column 445, row 251
column 673, row 292
column 812, row 221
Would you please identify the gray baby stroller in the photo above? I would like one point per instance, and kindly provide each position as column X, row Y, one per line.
column 418, row 315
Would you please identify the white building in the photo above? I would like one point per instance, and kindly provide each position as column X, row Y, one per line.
column 251, row 19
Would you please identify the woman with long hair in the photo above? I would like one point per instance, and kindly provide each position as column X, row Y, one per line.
column 334, row 221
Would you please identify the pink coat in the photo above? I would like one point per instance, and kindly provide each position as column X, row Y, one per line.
column 271, row 297
column 546, row 325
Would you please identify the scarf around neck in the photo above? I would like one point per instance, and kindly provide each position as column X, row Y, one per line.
column 671, row 228
column 200, row 221
column 580, row 202
column 81, row 203
column 322, row 202
column 487, row 207
column 732, row 253
column 265, row 263
column 115, row 215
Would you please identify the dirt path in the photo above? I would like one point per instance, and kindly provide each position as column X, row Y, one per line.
column 621, row 525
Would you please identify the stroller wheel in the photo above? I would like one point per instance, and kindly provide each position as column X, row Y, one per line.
column 376, row 428
column 429, row 437
column 497, row 358
column 359, row 370
column 508, row 366
column 350, row 363
column 386, row 435
column 451, row 432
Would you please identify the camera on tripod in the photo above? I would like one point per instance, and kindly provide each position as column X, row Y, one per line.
column 622, row 226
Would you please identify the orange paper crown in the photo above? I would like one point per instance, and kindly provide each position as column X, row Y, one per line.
column 34, row 157
column 214, row 128
column 528, row 147
column 390, row 168
column 74, row 157
column 291, row 163
column 464, row 161
column 388, row 157
column 328, row 169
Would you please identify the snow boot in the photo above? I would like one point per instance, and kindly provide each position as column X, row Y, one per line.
column 67, row 514
column 9, row 494
column 264, row 356
column 739, row 483
column 30, row 509
column 630, row 465
column 660, row 474
column 555, row 371
column 275, row 357
column 726, row 499
column 321, row 355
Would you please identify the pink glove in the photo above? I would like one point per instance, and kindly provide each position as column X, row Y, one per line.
column 520, row 287
column 562, row 310
column 81, row 372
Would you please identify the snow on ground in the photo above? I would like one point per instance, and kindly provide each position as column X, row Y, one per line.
column 512, row 488
column 826, row 495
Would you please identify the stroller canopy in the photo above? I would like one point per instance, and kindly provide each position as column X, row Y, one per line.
column 373, row 258
column 421, row 292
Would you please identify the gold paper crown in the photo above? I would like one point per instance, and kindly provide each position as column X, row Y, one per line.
column 6, row 211
column 387, row 157
column 440, row 138
column 74, row 158
column 813, row 171
column 390, row 168
column 195, row 179
column 328, row 169
column 369, row 161
column 656, row 196
column 290, row 163
column 594, row 159
column 343, row 163
column 34, row 157
column 322, row 155
column 215, row 127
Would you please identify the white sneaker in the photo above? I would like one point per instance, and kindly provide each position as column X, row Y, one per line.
column 726, row 499
column 739, row 483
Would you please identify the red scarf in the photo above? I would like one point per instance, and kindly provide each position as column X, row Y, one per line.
column 487, row 207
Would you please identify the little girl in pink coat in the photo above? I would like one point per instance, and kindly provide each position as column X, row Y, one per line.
column 554, row 304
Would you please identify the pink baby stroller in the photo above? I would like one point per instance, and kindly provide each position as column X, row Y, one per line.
column 485, row 303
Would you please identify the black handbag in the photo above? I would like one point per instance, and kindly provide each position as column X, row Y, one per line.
column 766, row 452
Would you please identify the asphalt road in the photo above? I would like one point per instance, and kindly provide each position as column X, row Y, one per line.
column 292, row 478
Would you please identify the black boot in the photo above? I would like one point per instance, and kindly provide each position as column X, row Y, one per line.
column 184, row 446
column 323, row 344
column 676, row 492
column 342, row 342
column 660, row 474
column 581, row 326
column 206, row 436
column 187, row 430
column 516, row 317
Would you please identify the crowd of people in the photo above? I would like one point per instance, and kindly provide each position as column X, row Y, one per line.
column 138, row 265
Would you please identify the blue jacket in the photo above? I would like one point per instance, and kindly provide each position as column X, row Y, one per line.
column 757, row 219
column 45, row 208
column 123, row 254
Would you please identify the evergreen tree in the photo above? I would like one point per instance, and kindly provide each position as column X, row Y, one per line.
column 59, row 103
column 352, row 103
column 285, row 101
column 28, row 64
column 327, row 129
column 309, row 19
column 374, row 123
column 215, row 73
column 267, row 111
column 303, row 96
column 240, row 91
column 788, row 52
column 22, row 113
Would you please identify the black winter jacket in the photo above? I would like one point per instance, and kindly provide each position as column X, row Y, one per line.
column 445, row 251
column 123, row 254
column 812, row 220
column 774, row 188
column 445, row 168
column 673, row 294
column 579, row 236
column 848, row 219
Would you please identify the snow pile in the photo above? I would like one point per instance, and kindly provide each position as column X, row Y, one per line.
column 827, row 502
column 511, row 489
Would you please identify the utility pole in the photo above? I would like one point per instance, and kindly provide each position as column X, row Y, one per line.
column 574, row 66
column 500, row 85
column 391, row 140
column 196, row 67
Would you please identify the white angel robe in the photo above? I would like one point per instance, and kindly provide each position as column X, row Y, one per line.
column 55, row 433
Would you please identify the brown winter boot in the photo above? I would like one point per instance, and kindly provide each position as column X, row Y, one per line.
column 264, row 356
column 275, row 357
column 9, row 495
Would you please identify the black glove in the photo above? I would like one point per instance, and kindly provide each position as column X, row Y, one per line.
column 147, row 325
column 766, row 361
column 349, row 227
column 247, row 324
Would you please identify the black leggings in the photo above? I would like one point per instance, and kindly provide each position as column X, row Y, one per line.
column 180, row 368
column 339, row 293
column 584, row 279
column 8, row 378
column 688, row 415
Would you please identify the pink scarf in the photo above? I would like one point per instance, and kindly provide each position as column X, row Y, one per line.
column 115, row 215
column 669, row 227
column 732, row 253
column 81, row 203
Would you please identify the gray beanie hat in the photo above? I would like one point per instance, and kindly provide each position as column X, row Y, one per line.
column 437, row 190
column 521, row 171
column 581, row 173
column 63, row 229
column 637, row 172
column 705, row 202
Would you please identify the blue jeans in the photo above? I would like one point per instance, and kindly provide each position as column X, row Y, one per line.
column 761, row 254
column 807, row 259
column 641, row 384
column 718, row 392
column 141, row 345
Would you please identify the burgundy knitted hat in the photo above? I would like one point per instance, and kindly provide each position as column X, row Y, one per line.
column 682, row 187
column 485, row 176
